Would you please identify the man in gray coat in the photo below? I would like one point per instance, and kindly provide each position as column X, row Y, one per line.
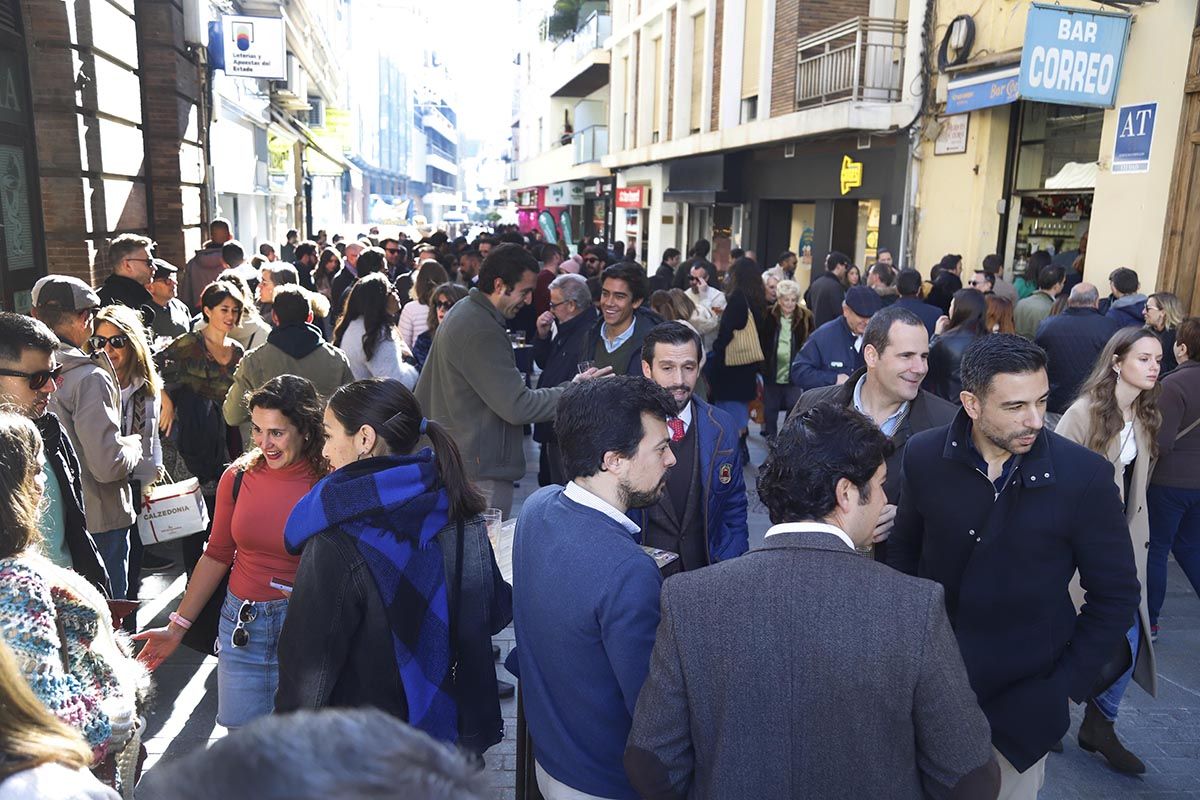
column 470, row 382
column 802, row 669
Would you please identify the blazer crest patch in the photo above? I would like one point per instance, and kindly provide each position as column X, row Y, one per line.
column 726, row 473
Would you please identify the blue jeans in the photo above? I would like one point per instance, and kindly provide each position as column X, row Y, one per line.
column 1109, row 701
column 1174, row 527
column 114, row 549
column 248, row 676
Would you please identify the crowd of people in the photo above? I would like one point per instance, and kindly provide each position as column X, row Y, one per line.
column 353, row 414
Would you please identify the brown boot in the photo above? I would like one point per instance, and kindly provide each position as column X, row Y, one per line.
column 1098, row 735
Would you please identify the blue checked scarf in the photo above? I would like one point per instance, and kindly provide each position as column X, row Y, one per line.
column 393, row 508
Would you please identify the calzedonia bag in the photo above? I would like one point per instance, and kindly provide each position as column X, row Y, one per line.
column 172, row 511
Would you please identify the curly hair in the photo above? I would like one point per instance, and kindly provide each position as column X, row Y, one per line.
column 297, row 399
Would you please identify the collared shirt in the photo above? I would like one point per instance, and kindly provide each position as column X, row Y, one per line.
column 612, row 344
column 685, row 417
column 577, row 493
column 890, row 424
column 981, row 464
column 811, row 527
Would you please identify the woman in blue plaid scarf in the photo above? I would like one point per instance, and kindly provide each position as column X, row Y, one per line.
column 398, row 593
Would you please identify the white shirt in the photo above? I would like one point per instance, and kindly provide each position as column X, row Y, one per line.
column 712, row 299
column 580, row 495
column 1129, row 448
column 685, row 417
column 811, row 527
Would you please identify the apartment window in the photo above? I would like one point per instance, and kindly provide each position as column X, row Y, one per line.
column 697, row 72
column 749, row 111
column 656, row 112
column 751, row 38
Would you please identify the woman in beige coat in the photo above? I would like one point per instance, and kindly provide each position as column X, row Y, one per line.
column 1116, row 415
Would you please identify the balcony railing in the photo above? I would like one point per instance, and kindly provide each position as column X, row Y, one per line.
column 862, row 59
column 591, row 144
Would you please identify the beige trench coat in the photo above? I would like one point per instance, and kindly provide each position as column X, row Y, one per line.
column 1074, row 426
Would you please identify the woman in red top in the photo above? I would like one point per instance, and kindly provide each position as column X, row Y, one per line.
column 286, row 417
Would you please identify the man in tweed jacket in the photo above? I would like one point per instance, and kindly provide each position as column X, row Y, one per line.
column 802, row 669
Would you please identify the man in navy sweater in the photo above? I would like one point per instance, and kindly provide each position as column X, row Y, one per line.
column 585, row 594
column 834, row 350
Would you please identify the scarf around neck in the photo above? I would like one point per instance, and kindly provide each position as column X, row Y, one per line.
column 393, row 507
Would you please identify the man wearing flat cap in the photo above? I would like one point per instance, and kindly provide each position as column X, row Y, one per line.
column 834, row 350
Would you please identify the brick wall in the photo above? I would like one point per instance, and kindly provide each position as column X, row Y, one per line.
column 794, row 19
column 718, row 29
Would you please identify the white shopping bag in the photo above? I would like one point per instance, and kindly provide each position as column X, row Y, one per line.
column 172, row 511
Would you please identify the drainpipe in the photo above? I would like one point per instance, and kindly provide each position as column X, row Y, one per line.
column 908, row 228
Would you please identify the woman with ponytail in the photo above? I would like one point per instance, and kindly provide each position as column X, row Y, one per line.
column 398, row 593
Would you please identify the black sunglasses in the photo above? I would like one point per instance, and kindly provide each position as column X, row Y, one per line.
column 445, row 304
column 37, row 379
column 246, row 614
column 98, row 342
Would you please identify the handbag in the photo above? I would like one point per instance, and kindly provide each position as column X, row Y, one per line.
column 744, row 348
column 202, row 636
column 172, row 511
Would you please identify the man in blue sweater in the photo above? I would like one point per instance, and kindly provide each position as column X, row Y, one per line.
column 585, row 594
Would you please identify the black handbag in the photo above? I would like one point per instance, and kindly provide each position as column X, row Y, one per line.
column 202, row 636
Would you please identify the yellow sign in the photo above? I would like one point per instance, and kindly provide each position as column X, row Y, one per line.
column 851, row 174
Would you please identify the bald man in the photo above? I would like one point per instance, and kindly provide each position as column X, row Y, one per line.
column 1072, row 341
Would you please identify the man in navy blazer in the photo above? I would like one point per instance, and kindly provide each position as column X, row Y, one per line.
column 1003, row 513
column 702, row 514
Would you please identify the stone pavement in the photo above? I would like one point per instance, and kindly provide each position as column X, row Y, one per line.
column 1163, row 731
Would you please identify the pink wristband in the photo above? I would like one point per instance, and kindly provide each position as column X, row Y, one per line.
column 180, row 621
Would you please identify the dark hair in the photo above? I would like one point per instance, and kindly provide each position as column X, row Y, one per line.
column 508, row 263
column 1038, row 260
column 670, row 333
column 265, row 248
column 448, row 289
column 219, row 222
column 430, row 275
column 19, row 333
column 297, row 399
column 908, row 283
column 290, row 305
column 670, row 253
column 885, row 272
column 320, row 276
column 988, row 277
column 232, row 251
column 371, row 260
column 745, row 276
column 811, row 453
column 970, row 312
column 836, row 259
column 633, row 275
column 584, row 435
column 950, row 261
column 20, row 444
column 367, row 301
column 1188, row 335
column 737, row 252
column 878, row 333
column 218, row 292
column 1050, row 276
column 1124, row 280
column 282, row 273
column 998, row 354
column 992, row 263
column 388, row 407
column 784, row 256
column 700, row 249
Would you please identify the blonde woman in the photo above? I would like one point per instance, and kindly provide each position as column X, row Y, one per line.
column 1116, row 415
column 1163, row 313
column 121, row 335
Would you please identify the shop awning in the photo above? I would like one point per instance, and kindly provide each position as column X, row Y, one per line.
column 1074, row 175
column 978, row 90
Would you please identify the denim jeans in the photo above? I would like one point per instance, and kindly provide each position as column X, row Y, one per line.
column 248, row 676
column 1109, row 701
column 114, row 549
column 1174, row 527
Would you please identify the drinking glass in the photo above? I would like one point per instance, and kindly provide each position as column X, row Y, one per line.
column 584, row 366
column 492, row 517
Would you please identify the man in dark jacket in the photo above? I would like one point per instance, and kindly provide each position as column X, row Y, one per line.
column 615, row 340
column 825, row 294
column 1072, row 341
column 749, row 697
column 665, row 275
column 28, row 377
column 834, row 350
column 171, row 316
column 1127, row 304
column 132, row 270
column 908, row 284
column 888, row 391
column 559, row 357
column 1002, row 513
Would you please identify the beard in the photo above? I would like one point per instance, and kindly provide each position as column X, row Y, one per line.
column 687, row 392
column 636, row 498
column 1008, row 442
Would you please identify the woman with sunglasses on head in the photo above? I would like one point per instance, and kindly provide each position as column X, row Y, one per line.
column 254, row 499
column 367, row 333
column 197, row 371
column 120, row 333
column 398, row 593
column 444, row 298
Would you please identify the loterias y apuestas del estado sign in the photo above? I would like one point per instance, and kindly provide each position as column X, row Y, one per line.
column 1072, row 56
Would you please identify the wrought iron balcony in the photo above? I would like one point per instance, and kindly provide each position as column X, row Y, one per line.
column 861, row 59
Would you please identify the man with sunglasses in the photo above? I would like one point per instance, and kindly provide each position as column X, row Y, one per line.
column 88, row 403
column 171, row 316
column 29, row 375
column 132, row 272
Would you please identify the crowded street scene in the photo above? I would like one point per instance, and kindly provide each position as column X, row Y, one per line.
column 599, row 399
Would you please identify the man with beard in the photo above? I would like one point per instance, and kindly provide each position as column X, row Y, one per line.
column 702, row 514
column 1003, row 513
column 585, row 595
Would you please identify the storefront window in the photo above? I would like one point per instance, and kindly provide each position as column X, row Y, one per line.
column 1059, row 148
column 867, row 241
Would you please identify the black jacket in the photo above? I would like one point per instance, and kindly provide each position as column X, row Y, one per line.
column 824, row 298
column 726, row 383
column 1072, row 341
column 123, row 291
column 1006, row 563
column 60, row 455
column 945, row 358
column 336, row 648
column 559, row 358
column 928, row 314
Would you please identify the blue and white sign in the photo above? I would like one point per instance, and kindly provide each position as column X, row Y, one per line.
column 982, row 90
column 1072, row 56
column 1135, row 135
